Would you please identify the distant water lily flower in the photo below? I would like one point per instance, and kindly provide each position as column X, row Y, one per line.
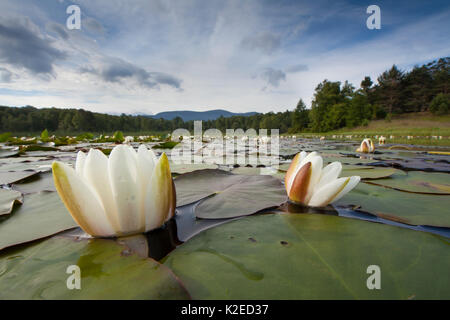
column 309, row 184
column 128, row 140
column 366, row 146
column 382, row 140
column 129, row 192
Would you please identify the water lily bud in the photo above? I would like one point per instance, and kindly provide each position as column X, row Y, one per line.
column 309, row 184
column 129, row 192
column 366, row 146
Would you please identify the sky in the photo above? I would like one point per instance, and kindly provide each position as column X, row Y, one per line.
column 149, row 56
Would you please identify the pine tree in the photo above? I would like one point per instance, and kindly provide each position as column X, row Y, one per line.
column 390, row 89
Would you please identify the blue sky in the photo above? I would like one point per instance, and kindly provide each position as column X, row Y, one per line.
column 150, row 56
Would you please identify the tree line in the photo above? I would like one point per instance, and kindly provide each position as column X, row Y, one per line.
column 424, row 88
column 31, row 119
column 335, row 105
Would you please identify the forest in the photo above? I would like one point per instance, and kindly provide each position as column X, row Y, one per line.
column 335, row 105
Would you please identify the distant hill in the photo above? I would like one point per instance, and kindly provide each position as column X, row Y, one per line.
column 199, row 115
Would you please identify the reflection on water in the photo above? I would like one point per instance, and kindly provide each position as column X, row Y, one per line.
column 290, row 207
column 163, row 240
column 179, row 229
column 188, row 225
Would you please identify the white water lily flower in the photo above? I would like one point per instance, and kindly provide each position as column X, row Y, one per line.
column 129, row 192
column 366, row 146
column 308, row 183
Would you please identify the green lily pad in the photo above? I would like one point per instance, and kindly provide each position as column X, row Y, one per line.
column 352, row 162
column 415, row 209
column 107, row 272
column 228, row 195
column 311, row 256
column 189, row 167
column 8, row 198
column 6, row 153
column 41, row 215
column 20, row 142
column 369, row 173
column 36, row 183
column 400, row 147
column 51, row 154
column 259, row 171
column 22, row 159
column 37, row 147
column 26, row 166
column 415, row 164
column 165, row 145
column 420, row 182
column 363, row 159
column 249, row 171
column 8, row 177
column 137, row 243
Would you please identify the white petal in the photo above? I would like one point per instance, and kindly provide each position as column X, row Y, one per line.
column 303, row 155
column 145, row 164
column 79, row 164
column 330, row 173
column 158, row 202
column 97, row 175
column 354, row 180
column 122, row 174
column 308, row 157
column 146, row 161
column 132, row 152
column 81, row 201
column 328, row 193
column 316, row 172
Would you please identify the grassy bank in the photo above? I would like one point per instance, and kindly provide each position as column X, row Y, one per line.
column 422, row 127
